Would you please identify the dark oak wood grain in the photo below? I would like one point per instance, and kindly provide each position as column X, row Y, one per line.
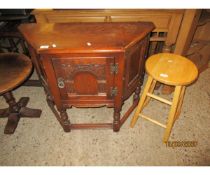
column 14, row 70
column 80, row 37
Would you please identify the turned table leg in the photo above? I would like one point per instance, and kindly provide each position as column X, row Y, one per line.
column 116, row 122
column 65, row 121
column 15, row 111
column 137, row 93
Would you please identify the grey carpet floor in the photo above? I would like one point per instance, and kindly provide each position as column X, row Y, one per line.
column 43, row 142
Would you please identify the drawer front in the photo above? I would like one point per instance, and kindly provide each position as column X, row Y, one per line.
column 82, row 79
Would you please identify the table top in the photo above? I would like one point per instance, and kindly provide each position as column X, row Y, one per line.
column 84, row 37
column 14, row 69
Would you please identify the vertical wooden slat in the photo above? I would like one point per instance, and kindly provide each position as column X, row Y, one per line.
column 187, row 30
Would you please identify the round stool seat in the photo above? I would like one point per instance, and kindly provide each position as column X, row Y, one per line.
column 171, row 69
column 14, row 69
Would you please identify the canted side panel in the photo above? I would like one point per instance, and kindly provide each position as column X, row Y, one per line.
column 135, row 59
column 38, row 63
column 86, row 79
column 42, row 69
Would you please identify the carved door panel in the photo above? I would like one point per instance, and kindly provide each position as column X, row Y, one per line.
column 84, row 78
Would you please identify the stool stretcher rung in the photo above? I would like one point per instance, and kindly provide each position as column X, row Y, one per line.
column 153, row 121
column 159, row 98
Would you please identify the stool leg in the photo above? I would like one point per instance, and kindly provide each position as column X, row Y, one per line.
column 172, row 113
column 180, row 103
column 141, row 102
column 151, row 89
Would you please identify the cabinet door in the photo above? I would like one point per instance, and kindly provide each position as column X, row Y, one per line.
column 84, row 81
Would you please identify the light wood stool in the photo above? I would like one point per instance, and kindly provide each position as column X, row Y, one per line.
column 169, row 69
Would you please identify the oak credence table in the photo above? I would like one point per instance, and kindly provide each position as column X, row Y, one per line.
column 89, row 65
